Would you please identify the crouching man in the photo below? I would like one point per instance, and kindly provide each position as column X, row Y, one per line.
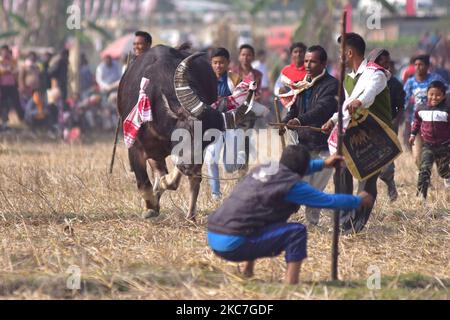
column 252, row 221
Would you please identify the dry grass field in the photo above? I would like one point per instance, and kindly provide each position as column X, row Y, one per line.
column 59, row 208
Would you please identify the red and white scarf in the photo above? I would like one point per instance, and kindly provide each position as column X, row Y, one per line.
column 288, row 99
column 140, row 114
column 238, row 96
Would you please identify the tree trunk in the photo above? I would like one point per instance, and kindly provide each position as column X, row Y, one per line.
column 74, row 67
column 101, row 9
column 109, row 8
column 4, row 17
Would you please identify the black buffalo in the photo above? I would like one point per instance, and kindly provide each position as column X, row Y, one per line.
column 182, row 88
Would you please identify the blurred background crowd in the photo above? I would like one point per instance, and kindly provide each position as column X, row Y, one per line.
column 62, row 82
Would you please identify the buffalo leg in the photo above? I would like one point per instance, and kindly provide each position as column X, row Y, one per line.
column 138, row 164
column 194, row 185
column 159, row 169
column 171, row 181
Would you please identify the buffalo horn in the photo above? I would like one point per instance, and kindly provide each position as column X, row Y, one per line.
column 186, row 96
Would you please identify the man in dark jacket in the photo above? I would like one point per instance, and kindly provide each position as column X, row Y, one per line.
column 313, row 108
column 59, row 70
column 251, row 223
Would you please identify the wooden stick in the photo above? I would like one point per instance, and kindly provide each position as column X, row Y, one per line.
column 277, row 113
column 295, row 126
column 336, row 220
column 111, row 166
column 119, row 120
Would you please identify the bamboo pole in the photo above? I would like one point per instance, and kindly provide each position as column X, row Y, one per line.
column 336, row 227
column 277, row 113
column 119, row 120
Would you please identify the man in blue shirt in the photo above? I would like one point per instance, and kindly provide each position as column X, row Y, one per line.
column 252, row 221
column 108, row 74
column 226, row 82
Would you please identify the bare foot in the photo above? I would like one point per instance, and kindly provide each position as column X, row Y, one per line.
column 248, row 269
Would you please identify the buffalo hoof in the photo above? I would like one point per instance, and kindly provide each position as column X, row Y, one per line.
column 150, row 214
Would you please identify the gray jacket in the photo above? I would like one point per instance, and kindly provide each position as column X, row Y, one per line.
column 256, row 202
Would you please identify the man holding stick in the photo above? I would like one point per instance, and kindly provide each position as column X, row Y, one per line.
column 313, row 107
column 365, row 87
column 141, row 44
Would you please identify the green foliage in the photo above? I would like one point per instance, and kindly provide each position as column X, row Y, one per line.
column 313, row 13
column 260, row 5
column 253, row 7
column 102, row 31
column 309, row 8
column 407, row 286
column 388, row 6
column 83, row 38
column 9, row 34
column 401, row 41
column 18, row 20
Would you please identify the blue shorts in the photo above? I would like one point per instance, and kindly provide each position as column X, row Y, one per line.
column 270, row 242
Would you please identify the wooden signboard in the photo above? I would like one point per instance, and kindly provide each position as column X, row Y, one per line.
column 369, row 145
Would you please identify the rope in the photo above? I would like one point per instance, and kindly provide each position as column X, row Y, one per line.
column 203, row 176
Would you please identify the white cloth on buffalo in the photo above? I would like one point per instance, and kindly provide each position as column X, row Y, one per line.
column 140, row 114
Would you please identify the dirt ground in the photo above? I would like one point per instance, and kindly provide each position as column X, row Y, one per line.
column 62, row 215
